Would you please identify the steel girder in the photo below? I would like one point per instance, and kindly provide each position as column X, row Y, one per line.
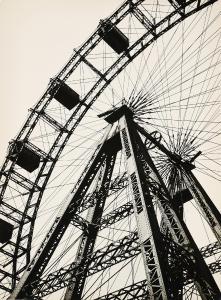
column 139, row 290
column 130, row 141
column 86, row 246
column 106, row 257
column 65, row 131
column 179, row 232
column 40, row 261
column 118, row 251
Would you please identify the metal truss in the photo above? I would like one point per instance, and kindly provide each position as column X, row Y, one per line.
column 208, row 209
column 88, row 239
column 107, row 257
column 35, row 189
column 35, row 192
column 61, row 223
column 211, row 249
column 135, row 291
column 154, row 247
column 117, row 214
column 139, row 289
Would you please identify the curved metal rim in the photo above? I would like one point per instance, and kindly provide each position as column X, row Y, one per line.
column 143, row 43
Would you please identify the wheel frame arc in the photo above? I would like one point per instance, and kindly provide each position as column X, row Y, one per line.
column 131, row 59
column 33, row 115
column 93, row 98
column 170, row 26
column 122, row 67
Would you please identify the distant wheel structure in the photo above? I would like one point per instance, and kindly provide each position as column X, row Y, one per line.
column 103, row 79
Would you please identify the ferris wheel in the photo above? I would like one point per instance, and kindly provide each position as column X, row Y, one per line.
column 105, row 191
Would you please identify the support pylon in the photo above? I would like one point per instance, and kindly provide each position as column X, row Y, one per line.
column 165, row 254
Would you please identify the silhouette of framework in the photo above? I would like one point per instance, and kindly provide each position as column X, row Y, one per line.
column 171, row 258
column 170, row 255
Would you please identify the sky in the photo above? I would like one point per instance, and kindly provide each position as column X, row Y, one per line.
column 37, row 38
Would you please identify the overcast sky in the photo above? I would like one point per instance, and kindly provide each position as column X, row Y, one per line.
column 37, row 38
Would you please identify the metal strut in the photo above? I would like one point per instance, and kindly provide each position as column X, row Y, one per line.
column 209, row 210
column 142, row 173
column 171, row 258
column 85, row 249
column 205, row 204
column 32, row 274
column 155, row 262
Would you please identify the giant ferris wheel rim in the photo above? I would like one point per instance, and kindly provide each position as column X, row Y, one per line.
column 40, row 107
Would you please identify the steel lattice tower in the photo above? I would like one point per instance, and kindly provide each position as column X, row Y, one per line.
column 170, row 255
column 137, row 166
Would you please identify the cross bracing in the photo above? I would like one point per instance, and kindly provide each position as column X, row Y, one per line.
column 151, row 194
